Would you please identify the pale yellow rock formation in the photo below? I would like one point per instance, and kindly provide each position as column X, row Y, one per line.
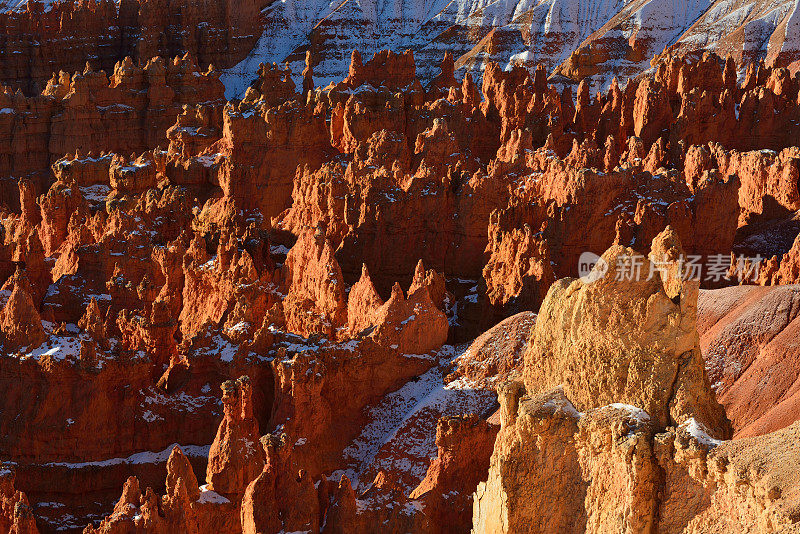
column 612, row 429
column 609, row 470
column 627, row 340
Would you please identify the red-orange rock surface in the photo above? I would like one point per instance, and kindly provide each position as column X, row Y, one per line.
column 184, row 507
column 16, row 516
column 336, row 245
column 41, row 39
column 464, row 445
column 283, row 497
column 749, row 340
column 497, row 353
column 235, row 456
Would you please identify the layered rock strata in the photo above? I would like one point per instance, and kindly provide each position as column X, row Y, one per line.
column 334, row 246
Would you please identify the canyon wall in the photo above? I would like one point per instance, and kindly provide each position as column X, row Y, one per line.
column 269, row 292
column 38, row 39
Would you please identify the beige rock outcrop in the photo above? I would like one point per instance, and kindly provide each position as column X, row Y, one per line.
column 612, row 471
column 627, row 340
column 616, row 417
column 592, row 461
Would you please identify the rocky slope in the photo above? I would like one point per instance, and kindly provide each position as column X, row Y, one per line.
column 573, row 39
column 748, row 337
